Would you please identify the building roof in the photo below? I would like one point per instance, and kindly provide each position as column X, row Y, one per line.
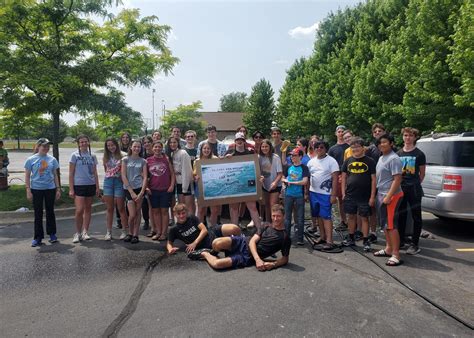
column 224, row 121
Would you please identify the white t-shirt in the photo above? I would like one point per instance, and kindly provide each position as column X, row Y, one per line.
column 321, row 171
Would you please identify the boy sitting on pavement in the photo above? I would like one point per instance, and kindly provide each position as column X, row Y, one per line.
column 194, row 233
column 358, row 190
column 242, row 251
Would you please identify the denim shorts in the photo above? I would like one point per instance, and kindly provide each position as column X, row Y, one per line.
column 113, row 186
column 320, row 205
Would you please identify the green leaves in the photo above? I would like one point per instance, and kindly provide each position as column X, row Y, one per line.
column 259, row 114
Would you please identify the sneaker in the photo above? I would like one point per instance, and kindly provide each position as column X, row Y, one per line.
column 85, row 236
column 53, row 238
column 348, row 242
column 146, row 225
column 251, row 224
column 196, row 254
column 358, row 235
column 118, row 225
column 367, row 247
column 128, row 238
column 134, row 240
column 36, row 242
column 341, row 227
column 372, row 238
column 108, row 236
column 77, row 238
column 123, row 234
column 300, row 243
column 403, row 246
column 413, row 250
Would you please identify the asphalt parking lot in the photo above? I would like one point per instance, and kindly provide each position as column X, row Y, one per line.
column 100, row 288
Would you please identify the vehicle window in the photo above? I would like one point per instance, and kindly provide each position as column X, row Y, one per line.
column 448, row 153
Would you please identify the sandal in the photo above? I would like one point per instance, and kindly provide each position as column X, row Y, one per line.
column 381, row 253
column 155, row 237
column 150, row 234
column 163, row 238
column 394, row 261
column 319, row 241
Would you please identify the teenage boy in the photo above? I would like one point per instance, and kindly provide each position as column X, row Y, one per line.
column 324, row 172
column 413, row 173
column 194, row 233
column 337, row 152
column 176, row 132
column 218, row 148
column 242, row 251
column 296, row 179
column 358, row 191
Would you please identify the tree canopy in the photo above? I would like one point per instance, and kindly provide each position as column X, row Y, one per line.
column 260, row 111
column 185, row 117
column 233, row 102
column 398, row 62
column 55, row 58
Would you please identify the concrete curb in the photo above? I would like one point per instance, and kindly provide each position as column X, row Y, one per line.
column 13, row 217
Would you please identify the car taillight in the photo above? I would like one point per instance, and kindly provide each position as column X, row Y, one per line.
column 452, row 182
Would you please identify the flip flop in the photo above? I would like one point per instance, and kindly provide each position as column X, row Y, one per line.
column 155, row 237
column 150, row 234
column 393, row 261
column 381, row 253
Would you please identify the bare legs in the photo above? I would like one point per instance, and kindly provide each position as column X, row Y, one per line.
column 83, row 213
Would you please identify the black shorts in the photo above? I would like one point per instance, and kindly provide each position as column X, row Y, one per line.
column 85, row 190
column 353, row 207
column 160, row 199
column 128, row 197
column 215, row 231
column 179, row 190
column 277, row 189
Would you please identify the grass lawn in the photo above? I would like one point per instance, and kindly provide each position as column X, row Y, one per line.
column 10, row 145
column 15, row 198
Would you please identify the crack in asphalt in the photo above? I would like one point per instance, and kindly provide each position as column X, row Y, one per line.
column 113, row 329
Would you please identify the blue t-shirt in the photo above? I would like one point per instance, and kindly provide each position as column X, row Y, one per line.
column 85, row 168
column 295, row 174
column 42, row 169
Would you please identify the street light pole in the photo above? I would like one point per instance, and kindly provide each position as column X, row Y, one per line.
column 153, row 107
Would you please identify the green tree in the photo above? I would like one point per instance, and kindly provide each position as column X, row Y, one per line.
column 233, row 102
column 186, row 117
column 260, row 112
column 44, row 128
column 83, row 127
column 54, row 58
column 18, row 126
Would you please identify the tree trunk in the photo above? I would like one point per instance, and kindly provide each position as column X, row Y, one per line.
column 18, row 136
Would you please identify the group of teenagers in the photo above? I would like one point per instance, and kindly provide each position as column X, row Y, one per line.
column 370, row 184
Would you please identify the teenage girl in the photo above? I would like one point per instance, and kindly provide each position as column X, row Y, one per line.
column 147, row 151
column 161, row 184
column 113, row 186
column 42, row 187
column 83, row 185
column 134, row 177
column 206, row 153
column 271, row 171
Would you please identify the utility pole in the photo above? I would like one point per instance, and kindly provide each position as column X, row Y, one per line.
column 153, row 107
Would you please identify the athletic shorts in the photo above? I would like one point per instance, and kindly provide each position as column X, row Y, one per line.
column 240, row 253
column 387, row 214
column 320, row 205
column 113, row 186
column 277, row 189
column 128, row 197
column 160, row 199
column 179, row 190
column 353, row 207
column 85, row 190
column 215, row 231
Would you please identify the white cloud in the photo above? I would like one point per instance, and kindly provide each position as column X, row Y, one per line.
column 304, row 32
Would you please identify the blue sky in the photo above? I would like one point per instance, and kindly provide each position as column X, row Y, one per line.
column 227, row 46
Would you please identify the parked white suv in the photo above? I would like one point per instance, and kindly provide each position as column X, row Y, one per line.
column 449, row 180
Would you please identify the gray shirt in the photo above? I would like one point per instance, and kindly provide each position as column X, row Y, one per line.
column 269, row 170
column 387, row 166
column 134, row 171
column 85, row 165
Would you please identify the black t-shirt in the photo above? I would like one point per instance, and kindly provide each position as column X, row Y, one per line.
column 271, row 241
column 192, row 153
column 411, row 161
column 337, row 152
column 234, row 152
column 373, row 152
column 188, row 232
column 358, row 183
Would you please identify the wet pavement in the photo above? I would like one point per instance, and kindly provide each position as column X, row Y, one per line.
column 100, row 288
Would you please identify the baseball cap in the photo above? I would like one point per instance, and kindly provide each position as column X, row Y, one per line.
column 43, row 141
column 341, row 126
column 297, row 151
column 239, row 135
